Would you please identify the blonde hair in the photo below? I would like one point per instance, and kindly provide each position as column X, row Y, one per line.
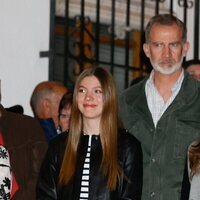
column 194, row 158
column 108, row 130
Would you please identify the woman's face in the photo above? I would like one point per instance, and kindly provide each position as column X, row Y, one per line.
column 90, row 98
column 64, row 118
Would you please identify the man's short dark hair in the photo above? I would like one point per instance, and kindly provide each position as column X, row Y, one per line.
column 165, row 19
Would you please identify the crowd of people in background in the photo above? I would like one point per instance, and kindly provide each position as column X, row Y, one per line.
column 83, row 144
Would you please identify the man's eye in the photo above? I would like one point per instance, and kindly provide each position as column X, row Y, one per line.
column 158, row 45
column 174, row 45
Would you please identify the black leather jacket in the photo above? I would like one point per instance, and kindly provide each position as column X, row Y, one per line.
column 130, row 159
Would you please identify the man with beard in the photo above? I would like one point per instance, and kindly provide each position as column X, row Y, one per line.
column 163, row 110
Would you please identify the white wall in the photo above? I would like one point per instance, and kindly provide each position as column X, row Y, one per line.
column 24, row 32
column 190, row 27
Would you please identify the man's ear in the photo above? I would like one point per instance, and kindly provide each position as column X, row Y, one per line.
column 46, row 105
column 186, row 47
column 146, row 49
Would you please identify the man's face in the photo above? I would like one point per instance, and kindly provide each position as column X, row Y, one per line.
column 194, row 71
column 54, row 103
column 165, row 48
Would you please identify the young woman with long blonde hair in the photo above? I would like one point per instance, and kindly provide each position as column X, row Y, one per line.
column 95, row 159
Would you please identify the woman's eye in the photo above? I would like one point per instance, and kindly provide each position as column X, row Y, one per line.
column 81, row 90
column 98, row 91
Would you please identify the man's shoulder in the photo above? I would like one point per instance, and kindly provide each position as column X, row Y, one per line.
column 13, row 117
column 25, row 129
column 190, row 87
column 22, row 122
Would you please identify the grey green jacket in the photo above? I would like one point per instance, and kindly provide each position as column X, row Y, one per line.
column 164, row 147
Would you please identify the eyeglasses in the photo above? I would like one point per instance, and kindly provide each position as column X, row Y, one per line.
column 64, row 116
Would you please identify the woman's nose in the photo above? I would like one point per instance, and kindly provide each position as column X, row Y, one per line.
column 88, row 96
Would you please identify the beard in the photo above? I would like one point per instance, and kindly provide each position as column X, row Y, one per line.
column 167, row 70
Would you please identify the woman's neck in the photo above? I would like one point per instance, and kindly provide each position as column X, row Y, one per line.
column 91, row 127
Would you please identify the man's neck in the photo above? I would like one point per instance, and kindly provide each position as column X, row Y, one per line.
column 164, row 83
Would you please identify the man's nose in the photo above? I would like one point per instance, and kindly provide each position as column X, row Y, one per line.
column 166, row 51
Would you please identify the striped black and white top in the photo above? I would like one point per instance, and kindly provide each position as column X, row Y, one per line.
column 84, row 193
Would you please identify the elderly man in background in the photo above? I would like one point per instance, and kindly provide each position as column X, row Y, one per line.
column 44, row 102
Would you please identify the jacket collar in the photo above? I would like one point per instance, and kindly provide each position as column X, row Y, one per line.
column 189, row 89
column 187, row 93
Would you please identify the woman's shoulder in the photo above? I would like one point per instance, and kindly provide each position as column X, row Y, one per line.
column 128, row 141
column 129, row 151
column 125, row 136
column 56, row 149
column 58, row 142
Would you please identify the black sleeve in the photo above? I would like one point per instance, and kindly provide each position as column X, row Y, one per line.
column 47, row 180
column 133, row 170
column 47, row 185
column 185, row 190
